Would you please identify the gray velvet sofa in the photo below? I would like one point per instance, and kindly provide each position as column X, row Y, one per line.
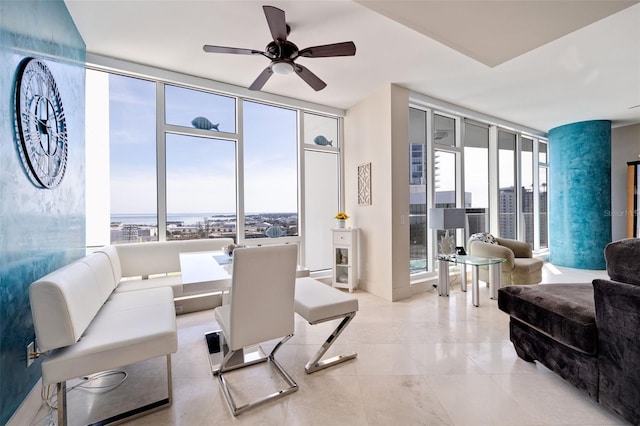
column 589, row 334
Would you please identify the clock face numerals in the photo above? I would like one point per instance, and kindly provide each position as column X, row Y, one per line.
column 41, row 124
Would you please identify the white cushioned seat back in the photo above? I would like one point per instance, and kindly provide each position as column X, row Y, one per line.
column 103, row 279
column 161, row 257
column 209, row 244
column 112, row 254
column 63, row 304
column 262, row 294
column 138, row 259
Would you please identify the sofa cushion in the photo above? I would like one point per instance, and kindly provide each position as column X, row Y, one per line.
column 161, row 257
column 129, row 328
column 104, row 281
column 527, row 265
column 173, row 281
column 622, row 260
column 565, row 312
column 112, row 254
column 316, row 301
column 64, row 302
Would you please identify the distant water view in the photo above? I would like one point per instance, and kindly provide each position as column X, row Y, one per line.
column 152, row 219
column 186, row 226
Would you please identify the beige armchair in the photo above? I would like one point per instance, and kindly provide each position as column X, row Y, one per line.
column 520, row 268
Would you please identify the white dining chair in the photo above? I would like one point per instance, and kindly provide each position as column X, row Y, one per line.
column 261, row 308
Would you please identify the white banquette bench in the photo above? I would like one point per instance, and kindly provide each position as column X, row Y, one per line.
column 155, row 264
column 90, row 319
column 115, row 307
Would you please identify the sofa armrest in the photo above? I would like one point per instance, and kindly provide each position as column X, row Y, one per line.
column 519, row 248
column 618, row 323
column 482, row 249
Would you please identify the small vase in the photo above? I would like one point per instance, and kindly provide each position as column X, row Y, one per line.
column 340, row 223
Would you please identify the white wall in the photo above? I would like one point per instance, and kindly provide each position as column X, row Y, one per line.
column 625, row 147
column 98, row 210
column 376, row 131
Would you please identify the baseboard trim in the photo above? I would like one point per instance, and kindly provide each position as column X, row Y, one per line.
column 29, row 408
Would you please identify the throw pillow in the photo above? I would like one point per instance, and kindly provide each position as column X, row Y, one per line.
column 485, row 237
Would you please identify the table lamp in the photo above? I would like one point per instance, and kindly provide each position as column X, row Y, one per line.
column 446, row 219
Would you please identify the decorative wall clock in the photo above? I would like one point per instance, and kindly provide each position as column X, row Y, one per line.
column 41, row 124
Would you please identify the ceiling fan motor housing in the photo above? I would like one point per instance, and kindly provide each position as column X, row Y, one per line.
column 281, row 49
column 283, row 53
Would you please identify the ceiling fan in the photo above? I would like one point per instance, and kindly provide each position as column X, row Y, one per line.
column 283, row 53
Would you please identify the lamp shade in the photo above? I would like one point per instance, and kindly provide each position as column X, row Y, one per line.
column 446, row 218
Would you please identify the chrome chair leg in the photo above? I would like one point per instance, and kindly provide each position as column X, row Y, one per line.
column 316, row 363
column 62, row 403
column 227, row 365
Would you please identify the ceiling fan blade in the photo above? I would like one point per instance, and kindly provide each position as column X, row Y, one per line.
column 347, row 48
column 262, row 79
column 310, row 78
column 277, row 23
column 222, row 49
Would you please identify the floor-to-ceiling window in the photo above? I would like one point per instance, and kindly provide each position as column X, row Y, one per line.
column 270, row 162
column 187, row 162
column 132, row 159
column 499, row 175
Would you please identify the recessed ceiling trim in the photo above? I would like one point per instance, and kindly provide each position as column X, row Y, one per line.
column 494, row 32
column 425, row 101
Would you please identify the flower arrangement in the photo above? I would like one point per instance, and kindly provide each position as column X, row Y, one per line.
column 342, row 216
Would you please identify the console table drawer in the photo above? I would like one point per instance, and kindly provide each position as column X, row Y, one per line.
column 340, row 237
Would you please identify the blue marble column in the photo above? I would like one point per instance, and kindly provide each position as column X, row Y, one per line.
column 580, row 194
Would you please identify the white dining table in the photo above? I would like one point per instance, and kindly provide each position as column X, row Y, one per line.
column 204, row 272
column 210, row 271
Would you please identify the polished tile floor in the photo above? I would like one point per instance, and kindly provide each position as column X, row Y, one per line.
column 428, row 360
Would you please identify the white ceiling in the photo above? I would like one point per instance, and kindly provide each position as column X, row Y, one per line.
column 536, row 63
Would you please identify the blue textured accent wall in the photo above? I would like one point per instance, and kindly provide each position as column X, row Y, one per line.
column 580, row 194
column 40, row 229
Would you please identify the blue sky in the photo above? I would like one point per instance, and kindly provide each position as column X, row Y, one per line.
column 200, row 171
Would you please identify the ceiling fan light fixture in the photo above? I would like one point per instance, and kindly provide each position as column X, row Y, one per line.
column 282, row 67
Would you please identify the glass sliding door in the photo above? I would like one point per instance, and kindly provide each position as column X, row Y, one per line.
column 321, row 188
column 543, row 207
column 418, row 238
column 527, row 192
column 543, row 173
column 445, row 187
column 476, row 177
column 507, row 203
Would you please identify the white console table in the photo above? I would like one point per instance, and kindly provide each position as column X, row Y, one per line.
column 345, row 258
